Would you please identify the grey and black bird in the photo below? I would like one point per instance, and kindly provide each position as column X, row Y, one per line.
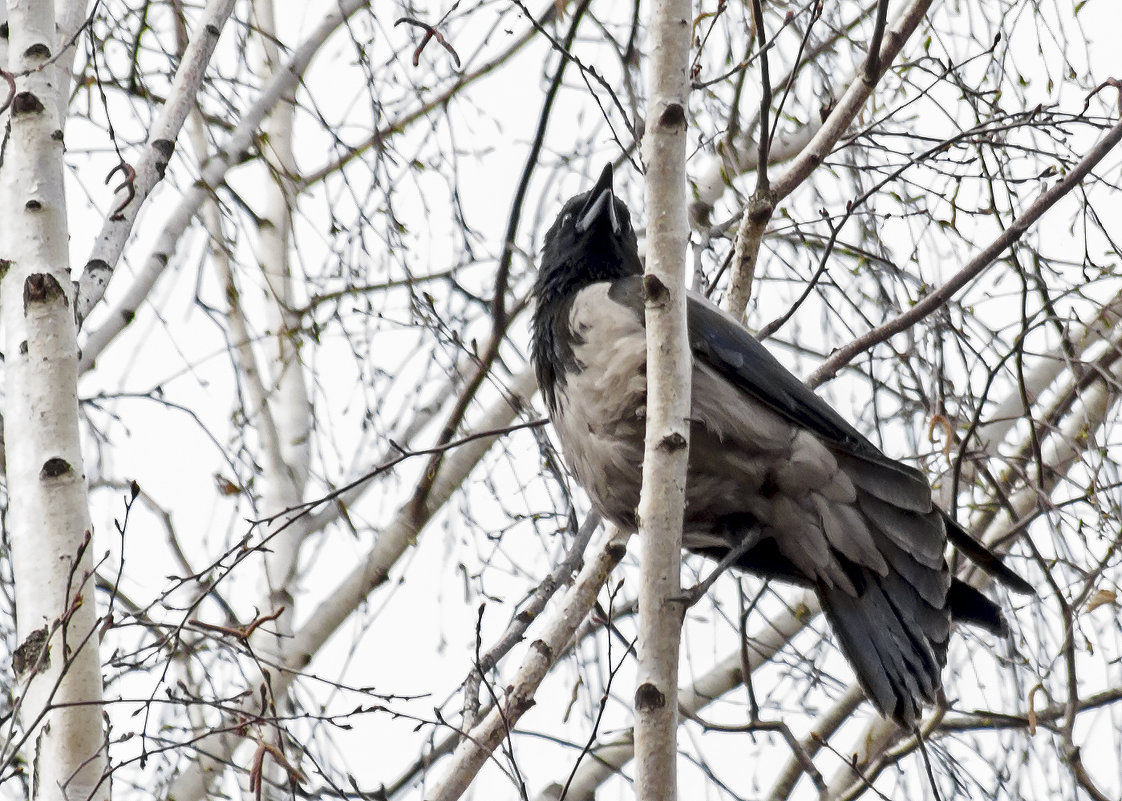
column 770, row 461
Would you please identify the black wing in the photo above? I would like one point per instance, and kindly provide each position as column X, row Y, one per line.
column 728, row 348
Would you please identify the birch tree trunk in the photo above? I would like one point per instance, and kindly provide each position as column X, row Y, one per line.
column 59, row 691
column 284, row 417
column 662, row 501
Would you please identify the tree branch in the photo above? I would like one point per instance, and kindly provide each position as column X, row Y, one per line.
column 759, row 210
column 108, row 247
column 154, row 161
column 936, row 299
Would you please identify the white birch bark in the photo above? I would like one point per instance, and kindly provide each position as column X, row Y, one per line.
column 662, row 500
column 289, row 412
column 58, row 672
column 155, row 158
column 286, row 415
column 107, row 249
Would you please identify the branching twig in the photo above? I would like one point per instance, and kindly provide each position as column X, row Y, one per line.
column 111, row 241
column 759, row 210
column 937, row 298
column 10, row 80
column 242, row 633
column 872, row 67
column 129, row 185
column 430, row 33
column 154, row 160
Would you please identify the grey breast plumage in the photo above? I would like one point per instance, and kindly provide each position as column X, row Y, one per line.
column 600, row 411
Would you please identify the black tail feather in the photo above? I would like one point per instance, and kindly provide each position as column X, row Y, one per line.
column 984, row 558
column 895, row 630
column 896, row 642
column 969, row 605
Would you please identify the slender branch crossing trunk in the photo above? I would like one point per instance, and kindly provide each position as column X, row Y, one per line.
column 669, row 365
column 59, row 691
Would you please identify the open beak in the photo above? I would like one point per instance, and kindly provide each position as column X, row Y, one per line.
column 601, row 200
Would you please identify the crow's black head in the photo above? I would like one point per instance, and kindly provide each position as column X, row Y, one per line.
column 591, row 240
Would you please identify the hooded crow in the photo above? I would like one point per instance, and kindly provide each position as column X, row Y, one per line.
column 770, row 462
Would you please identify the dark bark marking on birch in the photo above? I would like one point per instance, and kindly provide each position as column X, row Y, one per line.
column 165, row 147
column 26, row 103
column 37, row 51
column 760, row 208
column 654, row 290
column 672, row 443
column 97, row 264
column 542, row 647
column 648, row 698
column 54, row 468
column 32, row 653
column 672, row 117
column 520, row 704
column 42, row 288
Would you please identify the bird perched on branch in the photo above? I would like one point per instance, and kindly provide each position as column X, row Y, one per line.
column 774, row 474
